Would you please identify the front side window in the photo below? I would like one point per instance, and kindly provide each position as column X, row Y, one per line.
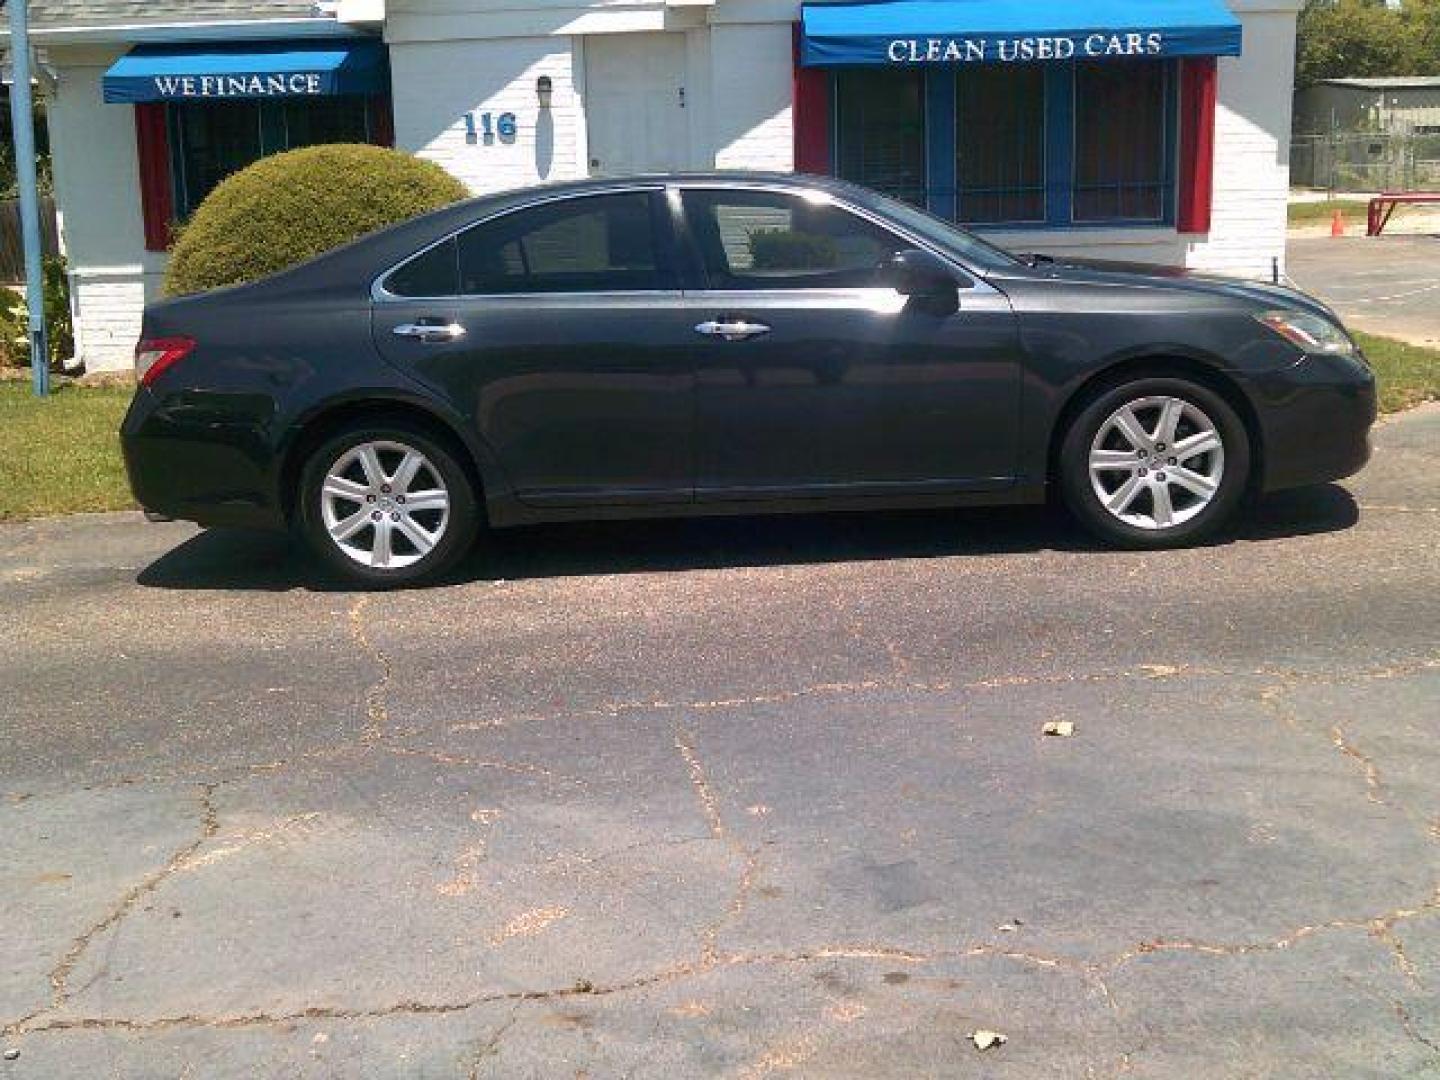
column 597, row 243
column 764, row 240
column 209, row 140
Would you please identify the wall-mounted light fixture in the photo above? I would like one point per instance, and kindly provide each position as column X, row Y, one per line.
column 544, row 91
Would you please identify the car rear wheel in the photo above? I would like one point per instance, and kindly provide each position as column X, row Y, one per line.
column 1154, row 463
column 387, row 504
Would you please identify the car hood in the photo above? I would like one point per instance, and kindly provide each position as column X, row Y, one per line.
column 1263, row 295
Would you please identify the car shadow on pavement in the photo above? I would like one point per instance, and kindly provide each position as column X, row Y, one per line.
column 227, row 559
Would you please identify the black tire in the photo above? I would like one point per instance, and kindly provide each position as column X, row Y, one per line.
column 459, row 527
column 1079, row 490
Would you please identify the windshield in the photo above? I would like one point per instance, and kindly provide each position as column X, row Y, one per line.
column 966, row 247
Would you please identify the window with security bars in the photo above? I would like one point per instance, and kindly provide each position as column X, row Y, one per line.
column 1059, row 144
column 880, row 131
column 1000, row 143
column 1121, row 133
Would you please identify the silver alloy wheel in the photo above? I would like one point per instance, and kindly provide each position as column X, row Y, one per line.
column 1157, row 462
column 385, row 505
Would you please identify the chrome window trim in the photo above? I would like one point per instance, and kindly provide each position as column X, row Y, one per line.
column 380, row 294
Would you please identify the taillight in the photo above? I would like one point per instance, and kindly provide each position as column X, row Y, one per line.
column 155, row 356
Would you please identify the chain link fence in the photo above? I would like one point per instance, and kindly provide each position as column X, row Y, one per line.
column 1366, row 161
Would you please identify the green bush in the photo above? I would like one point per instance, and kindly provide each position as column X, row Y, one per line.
column 782, row 249
column 15, row 320
column 291, row 207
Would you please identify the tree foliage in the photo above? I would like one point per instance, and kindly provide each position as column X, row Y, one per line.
column 291, row 207
column 1365, row 38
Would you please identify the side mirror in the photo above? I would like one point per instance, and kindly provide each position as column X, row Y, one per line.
column 919, row 273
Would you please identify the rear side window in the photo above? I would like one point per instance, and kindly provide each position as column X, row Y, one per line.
column 763, row 240
column 598, row 243
column 431, row 273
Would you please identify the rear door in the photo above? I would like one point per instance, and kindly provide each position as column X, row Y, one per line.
column 564, row 337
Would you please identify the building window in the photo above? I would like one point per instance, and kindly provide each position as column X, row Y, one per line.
column 1122, row 135
column 1058, row 144
column 1000, row 143
column 210, row 140
column 880, row 131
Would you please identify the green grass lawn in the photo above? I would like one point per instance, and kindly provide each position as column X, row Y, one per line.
column 63, row 454
column 1318, row 213
column 1408, row 374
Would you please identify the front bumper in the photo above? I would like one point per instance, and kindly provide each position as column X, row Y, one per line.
column 1316, row 417
column 187, row 458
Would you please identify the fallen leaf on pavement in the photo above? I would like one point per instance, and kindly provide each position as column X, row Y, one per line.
column 987, row 1040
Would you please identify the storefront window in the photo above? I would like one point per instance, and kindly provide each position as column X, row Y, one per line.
column 212, row 139
column 1000, row 143
column 1120, row 140
column 880, row 131
column 1054, row 144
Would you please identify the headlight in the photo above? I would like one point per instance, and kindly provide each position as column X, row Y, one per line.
column 1309, row 332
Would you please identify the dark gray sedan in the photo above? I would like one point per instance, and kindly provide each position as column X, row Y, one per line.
column 721, row 344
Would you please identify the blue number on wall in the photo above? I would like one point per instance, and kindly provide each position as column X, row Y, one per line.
column 506, row 126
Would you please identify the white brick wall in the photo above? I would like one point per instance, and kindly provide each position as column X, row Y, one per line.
column 1252, row 148
column 108, row 307
column 438, row 83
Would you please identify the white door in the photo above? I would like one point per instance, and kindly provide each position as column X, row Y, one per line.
column 635, row 103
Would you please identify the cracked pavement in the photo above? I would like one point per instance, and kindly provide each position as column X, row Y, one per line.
column 738, row 798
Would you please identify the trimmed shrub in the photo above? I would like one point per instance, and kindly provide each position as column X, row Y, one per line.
column 291, row 207
column 782, row 249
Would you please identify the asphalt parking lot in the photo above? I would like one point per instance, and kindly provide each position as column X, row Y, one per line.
column 1387, row 285
column 738, row 798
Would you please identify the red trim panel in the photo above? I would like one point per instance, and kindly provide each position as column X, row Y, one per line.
column 811, row 116
column 382, row 121
column 157, row 200
column 1197, row 144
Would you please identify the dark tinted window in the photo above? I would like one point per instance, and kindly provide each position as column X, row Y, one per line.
column 1120, row 141
column 764, row 240
column 1000, row 142
column 880, row 130
column 209, row 140
column 431, row 274
column 598, row 243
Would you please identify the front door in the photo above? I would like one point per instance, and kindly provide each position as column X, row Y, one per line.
column 635, row 108
column 560, row 331
column 814, row 377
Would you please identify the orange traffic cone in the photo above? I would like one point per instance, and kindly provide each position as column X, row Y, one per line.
column 1337, row 224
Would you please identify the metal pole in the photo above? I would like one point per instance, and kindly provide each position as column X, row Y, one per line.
column 22, row 120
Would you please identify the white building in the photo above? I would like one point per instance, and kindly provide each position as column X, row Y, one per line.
column 1158, row 134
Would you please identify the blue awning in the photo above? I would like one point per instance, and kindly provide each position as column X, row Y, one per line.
column 275, row 69
column 902, row 32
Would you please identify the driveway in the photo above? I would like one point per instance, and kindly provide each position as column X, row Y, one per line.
column 1387, row 285
column 733, row 798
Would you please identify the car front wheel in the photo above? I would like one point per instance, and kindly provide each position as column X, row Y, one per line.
column 387, row 504
column 1155, row 463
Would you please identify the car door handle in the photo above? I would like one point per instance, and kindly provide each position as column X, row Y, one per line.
column 734, row 330
column 430, row 333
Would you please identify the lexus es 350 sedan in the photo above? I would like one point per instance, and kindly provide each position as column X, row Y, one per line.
column 718, row 344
